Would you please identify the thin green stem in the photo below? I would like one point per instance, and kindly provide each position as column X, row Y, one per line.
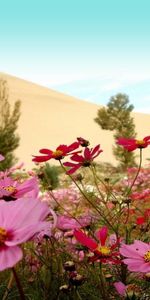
column 22, row 296
column 88, row 200
column 136, row 176
column 10, row 282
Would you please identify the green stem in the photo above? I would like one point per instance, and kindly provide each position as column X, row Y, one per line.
column 85, row 196
column 103, row 284
column 135, row 178
column 10, row 282
column 22, row 296
column 78, row 294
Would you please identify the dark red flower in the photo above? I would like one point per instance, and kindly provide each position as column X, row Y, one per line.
column 58, row 154
column 83, row 142
column 102, row 251
column 84, row 160
column 132, row 144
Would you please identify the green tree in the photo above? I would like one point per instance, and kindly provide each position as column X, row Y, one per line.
column 9, row 140
column 116, row 116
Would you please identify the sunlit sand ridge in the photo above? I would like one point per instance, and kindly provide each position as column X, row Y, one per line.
column 49, row 118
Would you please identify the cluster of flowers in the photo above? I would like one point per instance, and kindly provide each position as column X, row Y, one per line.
column 115, row 250
column 24, row 216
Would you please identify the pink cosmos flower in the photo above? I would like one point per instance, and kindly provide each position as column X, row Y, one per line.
column 138, row 256
column 84, row 160
column 65, row 223
column 130, row 290
column 102, row 251
column 58, row 154
column 132, row 144
column 19, row 222
column 11, row 189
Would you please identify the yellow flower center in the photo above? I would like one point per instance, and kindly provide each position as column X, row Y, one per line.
column 10, row 189
column 104, row 250
column 58, row 154
column 3, row 235
column 140, row 142
column 147, row 256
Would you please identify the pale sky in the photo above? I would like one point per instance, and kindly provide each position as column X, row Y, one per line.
column 91, row 49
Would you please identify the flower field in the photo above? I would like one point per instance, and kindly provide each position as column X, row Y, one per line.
column 84, row 235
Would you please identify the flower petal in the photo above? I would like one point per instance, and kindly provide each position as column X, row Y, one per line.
column 102, row 235
column 9, row 256
column 85, row 240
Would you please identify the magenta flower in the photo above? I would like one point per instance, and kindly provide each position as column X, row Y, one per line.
column 58, row 154
column 138, row 256
column 19, row 222
column 66, row 223
column 12, row 189
column 103, row 250
column 130, row 290
column 84, row 160
column 132, row 144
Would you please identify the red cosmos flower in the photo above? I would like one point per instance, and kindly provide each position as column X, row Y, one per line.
column 60, row 152
column 84, row 160
column 102, row 251
column 132, row 144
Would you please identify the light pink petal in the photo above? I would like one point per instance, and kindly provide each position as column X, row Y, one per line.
column 143, row 247
column 9, row 256
column 22, row 212
column 120, row 287
column 24, row 234
column 85, row 240
column 145, row 267
column 26, row 186
column 133, row 264
column 130, row 251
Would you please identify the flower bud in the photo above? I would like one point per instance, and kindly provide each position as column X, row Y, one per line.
column 69, row 266
column 76, row 279
column 64, row 288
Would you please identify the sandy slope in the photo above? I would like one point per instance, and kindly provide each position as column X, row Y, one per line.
column 49, row 118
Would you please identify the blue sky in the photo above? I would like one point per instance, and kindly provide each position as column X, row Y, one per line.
column 90, row 49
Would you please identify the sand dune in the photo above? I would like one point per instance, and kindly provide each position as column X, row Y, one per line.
column 49, row 118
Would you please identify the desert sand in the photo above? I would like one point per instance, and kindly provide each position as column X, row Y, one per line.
column 50, row 118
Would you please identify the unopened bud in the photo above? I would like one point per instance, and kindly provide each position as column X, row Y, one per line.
column 77, row 279
column 69, row 266
column 64, row 288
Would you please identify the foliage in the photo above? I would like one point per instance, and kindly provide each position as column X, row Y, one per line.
column 9, row 140
column 117, row 117
column 49, row 176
